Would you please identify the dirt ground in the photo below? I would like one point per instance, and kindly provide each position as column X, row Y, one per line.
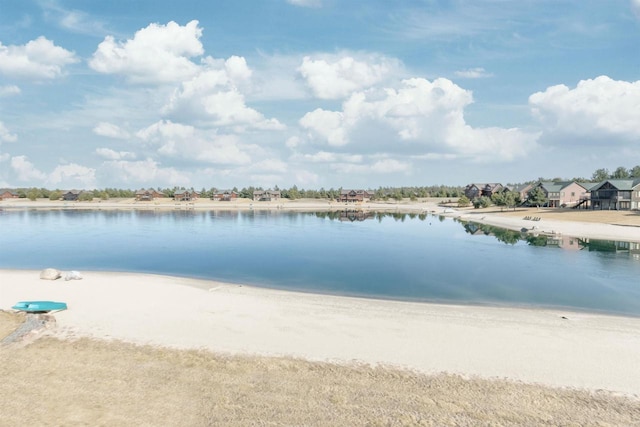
column 52, row 382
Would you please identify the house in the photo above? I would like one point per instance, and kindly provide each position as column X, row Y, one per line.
column 8, row 194
column 266, row 196
column 146, row 195
column 185, row 195
column 523, row 190
column 475, row 190
column 71, row 195
column 354, row 196
column 225, row 195
column 563, row 193
column 616, row 194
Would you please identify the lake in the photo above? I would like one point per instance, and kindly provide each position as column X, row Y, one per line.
column 391, row 256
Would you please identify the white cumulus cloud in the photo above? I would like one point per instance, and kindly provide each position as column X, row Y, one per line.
column 473, row 73
column 335, row 77
column 109, row 154
column 156, row 54
column 419, row 117
column 600, row 108
column 38, row 59
column 73, row 176
column 182, row 141
column 144, row 172
column 25, row 170
column 213, row 98
column 110, row 130
column 9, row 90
column 328, row 124
column 5, row 135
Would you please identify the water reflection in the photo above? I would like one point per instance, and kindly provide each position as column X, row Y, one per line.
column 512, row 237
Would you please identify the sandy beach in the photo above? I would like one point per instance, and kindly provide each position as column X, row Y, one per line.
column 556, row 348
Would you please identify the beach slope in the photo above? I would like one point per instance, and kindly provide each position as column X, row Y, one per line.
column 556, row 348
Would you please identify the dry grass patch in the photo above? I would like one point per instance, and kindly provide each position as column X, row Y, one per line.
column 9, row 321
column 85, row 382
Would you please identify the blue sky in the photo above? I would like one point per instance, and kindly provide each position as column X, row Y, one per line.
column 316, row 93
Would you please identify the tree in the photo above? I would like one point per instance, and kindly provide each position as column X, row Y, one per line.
column 86, row 196
column 464, row 201
column 482, row 202
column 635, row 172
column 600, row 175
column 55, row 195
column 620, row 173
column 33, row 194
column 537, row 197
column 506, row 198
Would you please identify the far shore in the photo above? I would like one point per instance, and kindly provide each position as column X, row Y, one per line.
column 550, row 347
column 587, row 224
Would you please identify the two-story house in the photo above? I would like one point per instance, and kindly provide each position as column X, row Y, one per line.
column 616, row 194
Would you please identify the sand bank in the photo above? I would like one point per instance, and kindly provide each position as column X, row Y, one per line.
column 551, row 223
column 536, row 346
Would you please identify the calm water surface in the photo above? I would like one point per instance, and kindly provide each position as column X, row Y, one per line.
column 400, row 256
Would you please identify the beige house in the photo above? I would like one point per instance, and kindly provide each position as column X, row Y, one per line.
column 266, row 196
column 563, row 193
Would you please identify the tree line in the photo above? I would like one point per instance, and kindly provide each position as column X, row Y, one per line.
column 292, row 193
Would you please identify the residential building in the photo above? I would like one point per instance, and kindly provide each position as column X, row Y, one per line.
column 71, row 195
column 354, row 196
column 475, row 190
column 185, row 195
column 266, row 195
column 616, row 194
column 224, row 195
column 147, row 195
column 8, row 194
column 563, row 193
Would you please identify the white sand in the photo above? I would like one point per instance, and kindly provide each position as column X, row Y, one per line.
column 584, row 351
column 589, row 230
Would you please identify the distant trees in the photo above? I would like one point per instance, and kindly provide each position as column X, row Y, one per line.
column 86, row 196
column 600, row 175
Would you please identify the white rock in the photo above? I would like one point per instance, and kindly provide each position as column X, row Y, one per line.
column 50, row 274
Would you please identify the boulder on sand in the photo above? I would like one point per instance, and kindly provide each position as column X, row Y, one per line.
column 50, row 274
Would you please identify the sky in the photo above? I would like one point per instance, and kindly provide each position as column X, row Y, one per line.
column 315, row 93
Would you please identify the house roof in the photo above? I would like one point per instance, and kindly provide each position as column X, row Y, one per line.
column 620, row 184
column 557, row 186
column 354, row 191
column 483, row 185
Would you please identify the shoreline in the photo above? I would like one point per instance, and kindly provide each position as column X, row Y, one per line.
column 541, row 346
column 612, row 225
